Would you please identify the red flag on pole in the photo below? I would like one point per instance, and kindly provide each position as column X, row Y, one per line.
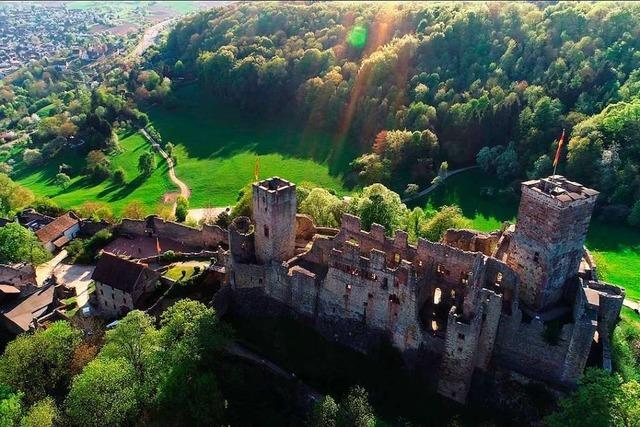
column 557, row 159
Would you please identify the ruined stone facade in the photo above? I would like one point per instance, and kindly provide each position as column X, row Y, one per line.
column 470, row 303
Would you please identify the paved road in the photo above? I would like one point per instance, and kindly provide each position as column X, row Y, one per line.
column 185, row 191
column 44, row 271
column 76, row 276
column 432, row 187
column 149, row 37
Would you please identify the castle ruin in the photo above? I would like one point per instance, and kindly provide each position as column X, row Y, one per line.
column 526, row 299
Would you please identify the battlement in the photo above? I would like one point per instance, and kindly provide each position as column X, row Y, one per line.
column 559, row 191
column 274, row 185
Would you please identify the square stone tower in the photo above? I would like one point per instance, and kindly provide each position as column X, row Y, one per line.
column 547, row 245
column 274, row 215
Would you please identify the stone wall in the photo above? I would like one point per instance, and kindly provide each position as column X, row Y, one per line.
column 210, row 236
column 455, row 303
column 88, row 227
column 472, row 241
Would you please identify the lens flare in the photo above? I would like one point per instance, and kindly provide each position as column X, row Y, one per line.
column 357, row 36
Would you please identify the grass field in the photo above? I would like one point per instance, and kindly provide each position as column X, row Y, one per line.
column 45, row 111
column 40, row 179
column 217, row 148
column 616, row 248
column 189, row 268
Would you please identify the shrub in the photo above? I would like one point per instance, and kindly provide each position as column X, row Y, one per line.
column 182, row 208
column 119, row 177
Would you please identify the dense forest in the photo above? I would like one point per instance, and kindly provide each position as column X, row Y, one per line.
column 418, row 84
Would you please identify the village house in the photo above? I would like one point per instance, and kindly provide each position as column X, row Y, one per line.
column 59, row 232
column 20, row 309
column 120, row 283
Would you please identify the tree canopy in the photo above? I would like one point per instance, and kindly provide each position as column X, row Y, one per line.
column 416, row 84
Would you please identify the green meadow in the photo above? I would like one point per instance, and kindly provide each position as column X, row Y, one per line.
column 616, row 248
column 41, row 179
column 217, row 148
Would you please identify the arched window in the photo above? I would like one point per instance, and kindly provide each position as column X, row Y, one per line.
column 266, row 231
column 437, row 296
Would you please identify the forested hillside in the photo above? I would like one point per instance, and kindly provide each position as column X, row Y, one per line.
column 418, row 84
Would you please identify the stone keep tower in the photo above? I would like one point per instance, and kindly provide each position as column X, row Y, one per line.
column 274, row 214
column 547, row 245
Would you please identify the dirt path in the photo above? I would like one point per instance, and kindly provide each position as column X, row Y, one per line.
column 44, row 271
column 244, row 353
column 432, row 187
column 185, row 191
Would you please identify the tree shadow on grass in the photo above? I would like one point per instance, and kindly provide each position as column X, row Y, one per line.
column 128, row 188
column 613, row 237
column 206, row 127
column 476, row 194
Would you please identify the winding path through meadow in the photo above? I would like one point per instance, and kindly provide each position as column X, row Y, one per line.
column 185, row 191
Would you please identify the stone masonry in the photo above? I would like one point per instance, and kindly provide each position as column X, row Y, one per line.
column 518, row 299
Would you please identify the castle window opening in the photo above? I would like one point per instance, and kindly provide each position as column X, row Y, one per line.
column 266, row 231
column 464, row 278
column 459, row 349
column 460, row 336
column 396, row 258
column 385, row 283
column 498, row 278
column 536, row 257
column 434, row 325
column 370, row 296
column 260, row 281
column 348, row 288
column 419, row 263
column 437, row 296
column 453, row 294
column 440, row 269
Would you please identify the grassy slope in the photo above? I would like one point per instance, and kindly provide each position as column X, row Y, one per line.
column 150, row 191
column 616, row 248
column 217, row 148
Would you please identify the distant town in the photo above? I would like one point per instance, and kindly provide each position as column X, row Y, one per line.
column 32, row 32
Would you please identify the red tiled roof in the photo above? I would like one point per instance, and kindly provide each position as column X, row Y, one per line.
column 57, row 227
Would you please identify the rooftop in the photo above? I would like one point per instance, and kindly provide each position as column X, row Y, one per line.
column 560, row 188
column 23, row 311
column 55, row 228
column 119, row 273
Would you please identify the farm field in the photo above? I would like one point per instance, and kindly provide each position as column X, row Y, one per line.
column 217, row 148
column 40, row 179
column 616, row 248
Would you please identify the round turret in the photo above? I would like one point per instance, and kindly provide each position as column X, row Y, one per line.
column 241, row 240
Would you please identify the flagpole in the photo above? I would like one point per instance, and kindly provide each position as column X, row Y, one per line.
column 558, row 150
